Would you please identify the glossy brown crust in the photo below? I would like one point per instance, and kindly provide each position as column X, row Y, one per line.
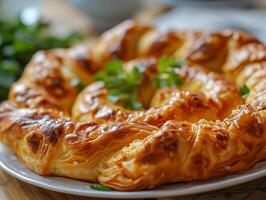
column 25, row 96
column 121, row 42
column 185, row 151
column 93, row 105
column 237, row 60
column 217, row 88
column 208, row 95
column 50, row 143
column 186, row 134
column 157, row 43
column 46, row 71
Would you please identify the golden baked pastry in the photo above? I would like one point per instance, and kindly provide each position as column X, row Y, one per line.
column 198, row 128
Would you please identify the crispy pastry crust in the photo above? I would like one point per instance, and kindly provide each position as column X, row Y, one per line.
column 202, row 130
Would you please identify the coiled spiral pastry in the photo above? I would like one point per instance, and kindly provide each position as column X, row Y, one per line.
column 201, row 130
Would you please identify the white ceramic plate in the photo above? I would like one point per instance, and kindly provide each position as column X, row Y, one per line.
column 10, row 163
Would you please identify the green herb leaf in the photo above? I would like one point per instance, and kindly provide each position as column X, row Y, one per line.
column 114, row 98
column 134, row 105
column 114, row 67
column 9, row 67
column 121, row 84
column 166, row 63
column 135, row 76
column 244, row 90
column 168, row 77
column 19, row 41
column 6, row 80
column 99, row 187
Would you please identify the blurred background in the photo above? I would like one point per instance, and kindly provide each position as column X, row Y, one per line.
column 29, row 25
column 98, row 15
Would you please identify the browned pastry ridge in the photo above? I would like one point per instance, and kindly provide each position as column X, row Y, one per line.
column 201, row 130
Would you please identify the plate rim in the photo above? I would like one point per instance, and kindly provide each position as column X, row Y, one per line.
column 155, row 193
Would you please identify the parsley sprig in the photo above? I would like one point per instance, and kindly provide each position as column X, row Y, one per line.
column 100, row 187
column 19, row 41
column 121, row 84
column 244, row 90
column 167, row 75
